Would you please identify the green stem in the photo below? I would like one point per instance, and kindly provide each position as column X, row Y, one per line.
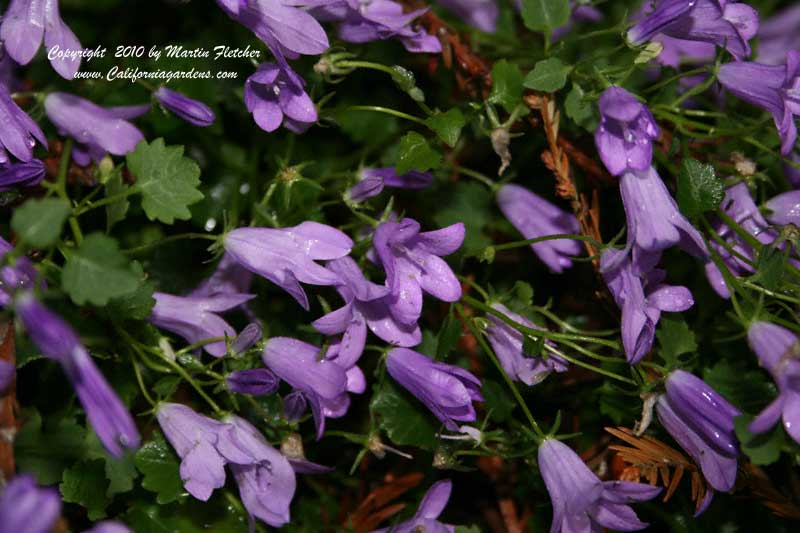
column 477, row 176
column 138, row 372
column 88, row 206
column 166, row 240
column 675, row 78
column 558, row 236
column 347, row 63
column 200, row 344
column 587, row 366
column 386, row 110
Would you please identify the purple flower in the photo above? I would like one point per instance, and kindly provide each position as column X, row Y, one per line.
column 581, row 502
column 195, row 319
column 739, row 205
column 256, row 381
column 25, row 24
column 722, row 22
column 702, row 422
column 17, row 277
column 97, row 130
column 232, row 6
column 204, row 446
column 425, row 519
column 276, row 95
column 447, row 390
column 7, row 371
column 507, row 344
column 785, row 209
column 641, row 294
column 775, row 88
column 18, row 132
column 626, row 133
column 654, row 221
column 533, row 216
column 267, row 480
column 229, row 277
column 109, row 418
column 677, row 51
column 109, row 526
column 366, row 305
column 26, row 507
column 373, row 180
column 14, row 175
column 250, row 335
column 412, row 261
column 286, row 256
column 481, row 14
column 777, row 350
column 778, row 34
column 189, row 109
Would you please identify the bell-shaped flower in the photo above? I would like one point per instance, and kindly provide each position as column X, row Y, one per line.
column 276, row 95
column 447, row 390
column 189, row 109
column 777, row 34
column 96, row 130
column 724, row 23
column 481, row 14
column 581, row 502
column 27, row 174
column 108, row 416
column 196, row 319
column 373, row 180
column 412, row 261
column 778, row 351
column 28, row 21
column 17, row 277
column 25, row 507
column 18, row 131
column 508, row 345
column 255, row 381
column 109, row 526
column 784, row 209
column 426, row 517
column 640, row 292
column 775, row 88
column 534, row 217
column 626, row 132
column 286, row 256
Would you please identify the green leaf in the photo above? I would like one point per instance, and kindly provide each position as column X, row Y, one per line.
column 46, row 451
column 120, row 472
column 497, row 400
column 577, row 108
column 762, row 449
column 545, row 15
column 467, row 202
column 415, row 153
column 447, row 125
column 98, row 271
column 548, row 75
column 675, row 338
column 470, row 529
column 448, row 336
column 116, row 211
column 749, row 390
column 160, row 468
column 771, row 267
column 167, row 180
column 39, row 222
column 135, row 305
column 404, row 419
column 506, row 85
column 85, row 483
column 699, row 189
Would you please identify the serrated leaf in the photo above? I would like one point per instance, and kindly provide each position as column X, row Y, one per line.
column 98, row 271
column 39, row 222
column 160, row 468
column 85, row 484
column 699, row 188
column 675, row 338
column 115, row 211
column 415, row 153
column 404, row 419
column 763, row 449
column 576, row 108
column 548, row 75
column 506, row 85
column 447, row 125
column 120, row 472
column 167, row 180
column 46, row 451
column 545, row 15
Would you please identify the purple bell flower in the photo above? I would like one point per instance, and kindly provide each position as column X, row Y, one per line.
column 28, row 21
column 641, row 294
column 778, row 34
column 248, row 337
column 533, row 216
column 425, row 519
column 7, row 372
column 97, row 130
column 725, row 23
column 109, row 526
column 229, row 277
column 507, row 344
column 626, row 133
column 412, row 261
column 18, row 132
column 25, row 507
column 447, row 390
column 481, row 14
column 232, row 6
column 777, row 349
column 195, row 319
column 775, row 88
column 373, row 180
column 581, row 502
column 13, row 175
column 286, row 256
column 20, row 276
column 680, row 51
column 701, row 421
column 256, row 381
column 276, row 95
column 106, row 413
column 785, row 209
column 189, row 109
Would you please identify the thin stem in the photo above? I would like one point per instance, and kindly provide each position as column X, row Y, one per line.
column 472, row 284
column 386, row 110
column 477, row 176
column 166, row 240
column 88, row 206
column 347, row 63
column 660, row 84
column 200, row 344
column 773, row 294
column 587, row 366
column 138, row 372
column 557, row 236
